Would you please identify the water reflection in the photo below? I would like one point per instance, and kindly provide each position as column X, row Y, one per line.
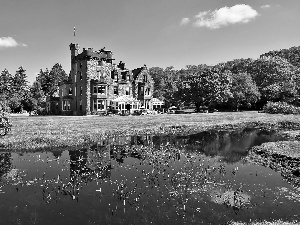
column 196, row 179
column 5, row 163
column 230, row 146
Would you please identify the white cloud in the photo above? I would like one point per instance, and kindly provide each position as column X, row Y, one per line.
column 202, row 14
column 184, row 21
column 9, row 42
column 265, row 6
column 225, row 16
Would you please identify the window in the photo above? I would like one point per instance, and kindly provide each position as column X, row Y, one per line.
column 99, row 104
column 80, row 74
column 123, row 75
column 141, row 90
column 147, row 91
column 70, row 91
column 127, row 91
column 66, row 105
column 99, row 89
column 80, row 105
column 95, row 105
column 80, row 65
column 115, row 90
column 75, row 91
column 113, row 75
column 80, row 90
column 145, row 78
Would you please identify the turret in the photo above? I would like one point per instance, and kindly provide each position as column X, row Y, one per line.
column 74, row 50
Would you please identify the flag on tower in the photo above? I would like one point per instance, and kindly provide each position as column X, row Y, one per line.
column 74, row 32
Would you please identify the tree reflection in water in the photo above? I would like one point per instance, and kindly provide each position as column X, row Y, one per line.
column 5, row 164
column 155, row 177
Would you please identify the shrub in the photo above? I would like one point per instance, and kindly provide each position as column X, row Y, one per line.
column 280, row 107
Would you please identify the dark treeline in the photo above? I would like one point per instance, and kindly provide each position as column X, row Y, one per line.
column 233, row 85
column 17, row 95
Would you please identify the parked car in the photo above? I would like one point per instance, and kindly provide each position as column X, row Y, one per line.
column 144, row 112
column 172, row 109
column 137, row 112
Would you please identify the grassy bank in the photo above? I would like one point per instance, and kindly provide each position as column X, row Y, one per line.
column 46, row 132
column 278, row 222
column 283, row 156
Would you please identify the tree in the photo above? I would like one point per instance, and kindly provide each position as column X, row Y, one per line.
column 244, row 91
column 57, row 75
column 237, row 65
column 35, row 98
column 18, row 90
column 157, row 75
column 50, row 80
column 275, row 78
column 209, row 86
column 165, row 84
column 292, row 55
column 44, row 79
column 5, row 79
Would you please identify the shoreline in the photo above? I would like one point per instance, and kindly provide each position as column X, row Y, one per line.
column 46, row 133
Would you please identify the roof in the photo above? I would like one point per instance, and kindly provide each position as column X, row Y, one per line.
column 136, row 72
column 125, row 98
column 156, row 100
column 52, row 98
column 67, row 97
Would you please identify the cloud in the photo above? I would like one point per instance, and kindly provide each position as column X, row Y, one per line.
column 9, row 42
column 225, row 16
column 265, row 6
column 184, row 21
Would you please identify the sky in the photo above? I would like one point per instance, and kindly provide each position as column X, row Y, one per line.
column 36, row 34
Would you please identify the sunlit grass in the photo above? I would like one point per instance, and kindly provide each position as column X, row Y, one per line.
column 277, row 222
column 63, row 131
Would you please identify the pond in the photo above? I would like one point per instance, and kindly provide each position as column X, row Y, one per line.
column 196, row 179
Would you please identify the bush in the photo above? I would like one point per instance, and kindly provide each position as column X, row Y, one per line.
column 280, row 107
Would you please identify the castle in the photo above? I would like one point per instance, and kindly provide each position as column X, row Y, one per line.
column 96, row 85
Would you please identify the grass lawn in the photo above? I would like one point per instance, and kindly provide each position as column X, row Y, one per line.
column 278, row 222
column 38, row 132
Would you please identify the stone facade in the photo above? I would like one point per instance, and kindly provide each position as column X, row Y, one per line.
column 95, row 82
